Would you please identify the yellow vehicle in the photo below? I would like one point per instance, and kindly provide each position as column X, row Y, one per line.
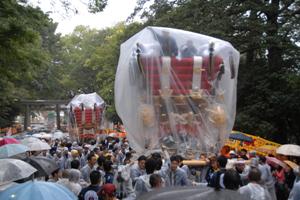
column 261, row 145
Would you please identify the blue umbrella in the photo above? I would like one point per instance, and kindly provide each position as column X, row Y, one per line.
column 37, row 190
column 9, row 150
column 240, row 136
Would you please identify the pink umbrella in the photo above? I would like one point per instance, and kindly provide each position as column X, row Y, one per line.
column 8, row 140
column 274, row 161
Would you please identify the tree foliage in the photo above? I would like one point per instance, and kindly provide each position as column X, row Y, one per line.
column 23, row 54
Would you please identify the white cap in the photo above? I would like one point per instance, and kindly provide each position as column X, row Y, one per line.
column 232, row 152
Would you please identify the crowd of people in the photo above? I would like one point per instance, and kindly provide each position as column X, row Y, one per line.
column 110, row 169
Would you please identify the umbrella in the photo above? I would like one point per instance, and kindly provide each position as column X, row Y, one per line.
column 274, row 161
column 10, row 150
column 192, row 193
column 35, row 144
column 291, row 164
column 240, row 136
column 13, row 170
column 37, row 190
column 58, row 135
column 289, row 150
column 45, row 166
column 30, row 139
column 8, row 140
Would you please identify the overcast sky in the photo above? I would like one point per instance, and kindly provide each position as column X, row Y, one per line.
column 116, row 11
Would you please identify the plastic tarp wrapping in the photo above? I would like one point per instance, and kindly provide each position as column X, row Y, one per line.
column 85, row 116
column 176, row 90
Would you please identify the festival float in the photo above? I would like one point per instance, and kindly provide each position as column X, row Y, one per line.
column 176, row 90
column 85, row 116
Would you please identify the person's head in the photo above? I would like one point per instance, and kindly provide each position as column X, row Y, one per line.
column 222, row 161
column 128, row 155
column 155, row 181
column 95, row 177
column 232, row 179
column 107, row 166
column 225, row 150
column 252, row 154
column 156, row 155
column 262, row 159
column 254, row 175
column 96, row 150
column 74, row 175
column 92, row 159
column 243, row 152
column 240, row 166
column 65, row 174
column 127, row 161
column 141, row 162
column 174, row 163
column 108, row 191
column 74, row 153
column 232, row 154
column 75, row 164
column 180, row 160
column 150, row 165
column 202, row 156
column 213, row 162
column 101, row 161
column 56, row 174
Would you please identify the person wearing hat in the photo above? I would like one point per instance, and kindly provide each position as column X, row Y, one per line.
column 74, row 156
column 108, row 192
column 243, row 170
column 232, row 154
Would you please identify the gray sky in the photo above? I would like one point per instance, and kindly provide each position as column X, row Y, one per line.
column 116, row 11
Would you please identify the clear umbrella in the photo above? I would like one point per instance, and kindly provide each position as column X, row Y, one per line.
column 13, row 170
column 289, row 150
column 35, row 144
column 10, row 150
column 37, row 190
column 192, row 193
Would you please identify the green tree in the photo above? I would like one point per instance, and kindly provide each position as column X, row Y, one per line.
column 21, row 54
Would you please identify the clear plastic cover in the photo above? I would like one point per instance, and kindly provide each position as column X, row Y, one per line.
column 176, row 90
column 85, row 116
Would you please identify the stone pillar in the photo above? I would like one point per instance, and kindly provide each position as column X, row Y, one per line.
column 58, row 116
column 27, row 117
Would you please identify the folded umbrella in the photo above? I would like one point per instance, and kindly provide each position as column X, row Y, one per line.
column 37, row 190
column 8, row 140
column 10, row 150
column 289, row 150
column 45, row 166
column 13, row 170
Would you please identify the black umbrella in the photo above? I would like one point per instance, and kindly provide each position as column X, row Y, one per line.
column 240, row 137
column 45, row 166
column 192, row 193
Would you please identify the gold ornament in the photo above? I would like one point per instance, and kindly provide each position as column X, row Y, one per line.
column 147, row 115
column 165, row 93
column 217, row 116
